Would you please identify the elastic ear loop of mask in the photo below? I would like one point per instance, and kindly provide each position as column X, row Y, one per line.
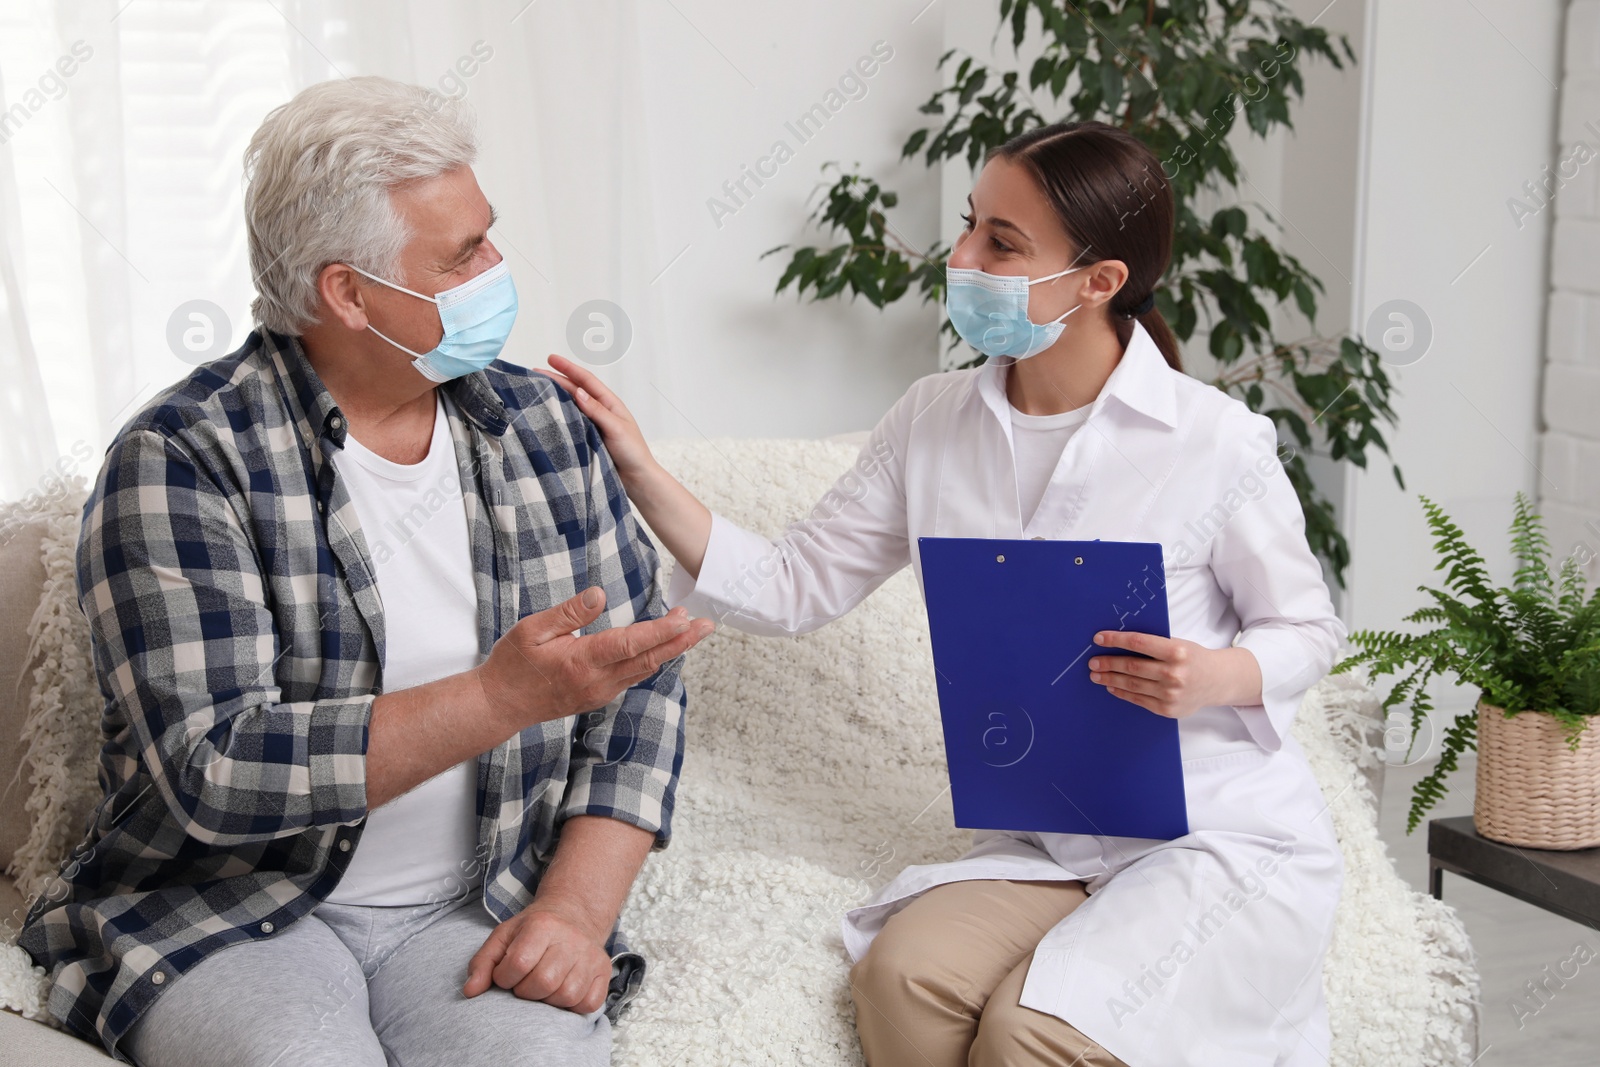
column 420, row 296
column 1053, row 277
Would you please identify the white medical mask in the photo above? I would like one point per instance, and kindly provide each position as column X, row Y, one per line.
column 476, row 316
column 990, row 312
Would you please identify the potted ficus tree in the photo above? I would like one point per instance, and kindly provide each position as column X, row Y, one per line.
column 1533, row 650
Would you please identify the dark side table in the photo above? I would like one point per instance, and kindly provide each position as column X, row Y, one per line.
column 1567, row 883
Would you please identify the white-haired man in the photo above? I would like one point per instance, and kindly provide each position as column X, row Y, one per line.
column 392, row 709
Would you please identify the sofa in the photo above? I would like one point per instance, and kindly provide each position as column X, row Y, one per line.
column 814, row 772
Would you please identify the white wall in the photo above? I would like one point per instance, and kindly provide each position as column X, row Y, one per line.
column 1304, row 184
column 1461, row 112
column 1569, row 452
column 741, row 361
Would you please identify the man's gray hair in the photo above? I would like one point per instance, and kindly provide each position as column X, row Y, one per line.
column 318, row 174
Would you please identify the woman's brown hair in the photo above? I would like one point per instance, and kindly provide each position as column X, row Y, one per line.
column 1113, row 199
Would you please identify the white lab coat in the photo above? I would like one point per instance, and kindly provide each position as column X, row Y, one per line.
column 1199, row 952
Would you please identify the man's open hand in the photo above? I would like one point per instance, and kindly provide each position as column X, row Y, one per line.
column 542, row 954
column 537, row 671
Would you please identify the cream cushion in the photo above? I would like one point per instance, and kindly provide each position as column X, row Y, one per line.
column 21, row 582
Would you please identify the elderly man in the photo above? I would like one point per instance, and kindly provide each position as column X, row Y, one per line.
column 392, row 709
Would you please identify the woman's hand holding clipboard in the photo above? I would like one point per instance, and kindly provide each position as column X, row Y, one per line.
column 1174, row 677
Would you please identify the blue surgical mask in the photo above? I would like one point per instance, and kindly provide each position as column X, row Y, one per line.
column 990, row 312
column 476, row 316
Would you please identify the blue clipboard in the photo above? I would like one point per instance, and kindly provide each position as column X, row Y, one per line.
column 1032, row 743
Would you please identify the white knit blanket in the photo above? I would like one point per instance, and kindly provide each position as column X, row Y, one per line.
column 815, row 771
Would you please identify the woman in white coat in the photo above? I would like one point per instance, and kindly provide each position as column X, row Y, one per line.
column 1038, row 948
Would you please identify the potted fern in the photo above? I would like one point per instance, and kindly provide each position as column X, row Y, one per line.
column 1533, row 651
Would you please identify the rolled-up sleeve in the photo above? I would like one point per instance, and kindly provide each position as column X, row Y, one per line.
column 626, row 756
column 1263, row 563
column 185, row 645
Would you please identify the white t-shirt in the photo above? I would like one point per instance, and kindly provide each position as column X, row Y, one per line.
column 1037, row 441
column 421, row 846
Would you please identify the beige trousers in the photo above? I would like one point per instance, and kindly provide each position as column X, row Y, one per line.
column 940, row 985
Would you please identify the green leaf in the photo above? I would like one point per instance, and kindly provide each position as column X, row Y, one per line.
column 1110, row 85
column 1226, row 344
column 1044, row 68
column 1229, row 222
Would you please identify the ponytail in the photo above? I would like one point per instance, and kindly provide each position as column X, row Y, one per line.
column 1156, row 326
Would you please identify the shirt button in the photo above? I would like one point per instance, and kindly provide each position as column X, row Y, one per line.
column 336, row 422
column 344, row 845
column 1038, row 538
column 267, row 928
column 158, row 978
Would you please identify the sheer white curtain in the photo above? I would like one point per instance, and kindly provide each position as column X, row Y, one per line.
column 29, row 446
column 123, row 258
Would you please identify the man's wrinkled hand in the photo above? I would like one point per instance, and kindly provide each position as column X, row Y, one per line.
column 543, row 954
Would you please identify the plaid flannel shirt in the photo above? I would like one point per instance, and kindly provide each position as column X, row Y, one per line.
column 238, row 638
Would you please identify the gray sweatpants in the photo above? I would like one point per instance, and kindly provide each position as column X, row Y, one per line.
column 354, row 986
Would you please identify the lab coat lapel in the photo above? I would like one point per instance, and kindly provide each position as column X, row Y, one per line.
column 1068, row 488
column 997, row 456
column 1063, row 496
column 1137, row 400
column 977, row 485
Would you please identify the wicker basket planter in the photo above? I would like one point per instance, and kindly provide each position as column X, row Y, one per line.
column 1533, row 790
